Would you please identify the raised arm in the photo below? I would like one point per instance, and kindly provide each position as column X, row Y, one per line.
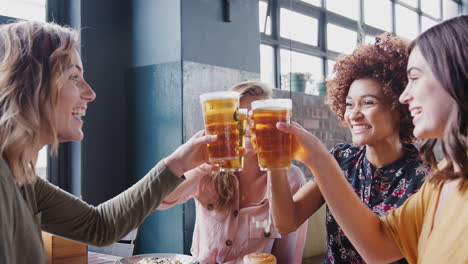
column 290, row 248
column 289, row 212
column 186, row 189
column 68, row 216
column 360, row 224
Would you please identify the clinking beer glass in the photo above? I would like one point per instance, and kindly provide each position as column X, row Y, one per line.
column 220, row 113
column 274, row 148
column 238, row 164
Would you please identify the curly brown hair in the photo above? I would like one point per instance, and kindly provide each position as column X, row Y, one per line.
column 384, row 61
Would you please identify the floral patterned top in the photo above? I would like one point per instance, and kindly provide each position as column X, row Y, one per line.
column 381, row 190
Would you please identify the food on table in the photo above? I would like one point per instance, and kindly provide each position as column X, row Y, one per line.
column 259, row 258
column 159, row 261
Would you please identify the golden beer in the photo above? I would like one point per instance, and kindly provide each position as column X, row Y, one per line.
column 238, row 164
column 274, row 147
column 220, row 116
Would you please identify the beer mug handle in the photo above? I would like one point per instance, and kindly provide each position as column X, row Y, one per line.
column 251, row 129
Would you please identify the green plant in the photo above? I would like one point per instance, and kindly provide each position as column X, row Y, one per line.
column 296, row 81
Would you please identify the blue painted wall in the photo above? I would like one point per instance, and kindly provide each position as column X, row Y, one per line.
column 207, row 39
column 133, row 54
column 132, row 58
column 156, row 32
column 106, row 53
column 154, row 131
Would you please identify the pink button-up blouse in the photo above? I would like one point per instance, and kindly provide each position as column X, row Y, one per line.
column 227, row 237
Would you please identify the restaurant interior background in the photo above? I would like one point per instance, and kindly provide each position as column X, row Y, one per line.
column 149, row 60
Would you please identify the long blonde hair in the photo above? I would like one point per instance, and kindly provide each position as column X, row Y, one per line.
column 223, row 182
column 33, row 58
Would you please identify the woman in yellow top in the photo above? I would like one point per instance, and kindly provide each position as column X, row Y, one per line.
column 432, row 225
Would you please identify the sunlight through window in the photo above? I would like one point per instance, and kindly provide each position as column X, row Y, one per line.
column 24, row 9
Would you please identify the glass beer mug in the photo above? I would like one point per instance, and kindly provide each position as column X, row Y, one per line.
column 238, row 164
column 222, row 118
column 274, row 148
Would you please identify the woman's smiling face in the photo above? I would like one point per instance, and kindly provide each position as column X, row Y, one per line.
column 368, row 114
column 429, row 103
column 72, row 102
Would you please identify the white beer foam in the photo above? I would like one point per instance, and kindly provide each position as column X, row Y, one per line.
column 243, row 111
column 274, row 104
column 219, row 95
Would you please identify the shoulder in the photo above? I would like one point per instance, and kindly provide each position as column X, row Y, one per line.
column 413, row 164
column 205, row 191
column 343, row 150
column 295, row 174
column 10, row 205
column 347, row 155
column 5, row 173
column 428, row 192
column 7, row 183
column 42, row 187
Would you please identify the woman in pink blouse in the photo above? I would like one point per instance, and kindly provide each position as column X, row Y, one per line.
column 232, row 210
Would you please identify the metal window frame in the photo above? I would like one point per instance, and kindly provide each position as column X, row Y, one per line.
column 324, row 16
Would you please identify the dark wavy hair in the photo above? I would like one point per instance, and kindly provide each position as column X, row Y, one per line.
column 444, row 47
column 384, row 61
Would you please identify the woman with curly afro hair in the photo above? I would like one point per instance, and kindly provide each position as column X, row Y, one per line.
column 381, row 164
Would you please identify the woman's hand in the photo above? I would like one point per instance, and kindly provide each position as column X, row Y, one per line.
column 305, row 145
column 191, row 154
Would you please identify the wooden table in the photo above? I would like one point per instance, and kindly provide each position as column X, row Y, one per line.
column 98, row 258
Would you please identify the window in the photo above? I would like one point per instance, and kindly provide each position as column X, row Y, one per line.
column 28, row 10
column 369, row 39
column 451, row 9
column 427, row 23
column 264, row 20
column 348, row 8
column 24, row 9
column 41, row 164
column 267, row 63
column 431, row 7
column 407, row 22
column 296, row 62
column 313, row 2
column 378, row 13
column 340, row 39
column 298, row 27
column 330, row 65
column 412, row 3
column 306, row 37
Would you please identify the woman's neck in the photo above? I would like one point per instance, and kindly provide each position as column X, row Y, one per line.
column 252, row 183
column 380, row 155
column 250, row 172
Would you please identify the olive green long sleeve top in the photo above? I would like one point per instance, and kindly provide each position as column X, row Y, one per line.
column 28, row 209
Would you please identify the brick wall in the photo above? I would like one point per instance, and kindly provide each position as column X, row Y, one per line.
column 313, row 114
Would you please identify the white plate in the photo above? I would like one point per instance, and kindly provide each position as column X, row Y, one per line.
column 185, row 259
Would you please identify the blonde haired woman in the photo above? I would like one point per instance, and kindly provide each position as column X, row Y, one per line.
column 42, row 96
column 232, row 210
